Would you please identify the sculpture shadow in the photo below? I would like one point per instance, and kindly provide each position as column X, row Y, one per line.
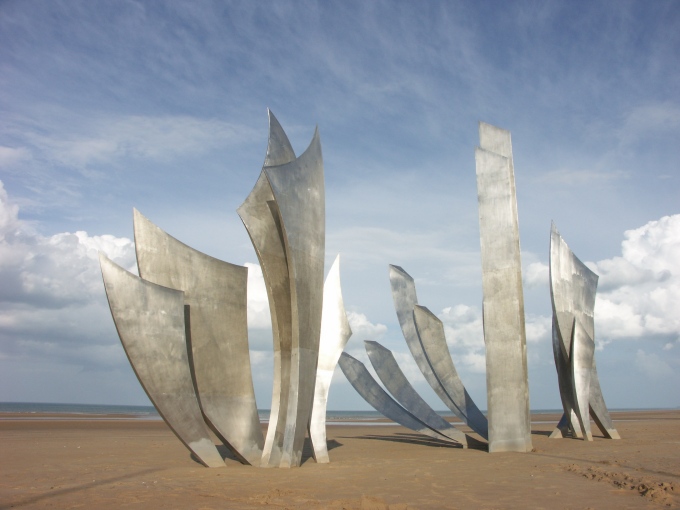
column 415, row 439
column 333, row 444
column 308, row 449
column 226, row 453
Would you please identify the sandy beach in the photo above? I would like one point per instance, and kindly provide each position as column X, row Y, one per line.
column 80, row 461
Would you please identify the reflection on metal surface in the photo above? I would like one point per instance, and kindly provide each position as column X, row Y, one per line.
column 335, row 332
column 503, row 309
column 573, row 287
column 215, row 297
column 453, row 394
column 370, row 390
column 405, row 299
column 285, row 218
column 431, row 333
column 264, row 230
column 396, row 383
column 582, row 351
column 151, row 325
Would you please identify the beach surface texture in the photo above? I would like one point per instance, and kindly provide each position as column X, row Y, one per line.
column 81, row 461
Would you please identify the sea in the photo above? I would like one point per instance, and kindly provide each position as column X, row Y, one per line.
column 150, row 412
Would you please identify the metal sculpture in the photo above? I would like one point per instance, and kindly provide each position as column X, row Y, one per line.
column 405, row 302
column 335, row 332
column 150, row 320
column 285, row 218
column 370, row 390
column 431, row 333
column 217, row 333
column 503, row 310
column 572, row 290
column 397, row 384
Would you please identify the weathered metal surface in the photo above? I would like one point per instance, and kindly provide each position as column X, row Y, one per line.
column 285, row 218
column 405, row 299
column 503, row 309
column 397, row 384
column 573, row 287
column 298, row 189
column 370, row 390
column 335, row 332
column 260, row 218
column 150, row 320
column 566, row 388
column 582, row 351
column 431, row 332
column 215, row 297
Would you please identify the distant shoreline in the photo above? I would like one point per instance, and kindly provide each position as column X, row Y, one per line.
column 8, row 412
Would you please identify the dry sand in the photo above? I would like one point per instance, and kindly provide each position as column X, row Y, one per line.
column 81, row 462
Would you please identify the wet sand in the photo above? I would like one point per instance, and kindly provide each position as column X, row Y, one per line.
column 80, row 461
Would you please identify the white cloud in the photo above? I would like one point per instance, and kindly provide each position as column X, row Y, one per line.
column 52, row 302
column 536, row 274
column 465, row 336
column 258, row 302
column 363, row 329
column 463, row 326
column 538, row 328
column 640, row 291
column 59, row 270
column 475, row 362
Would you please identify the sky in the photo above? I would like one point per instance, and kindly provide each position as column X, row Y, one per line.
column 162, row 106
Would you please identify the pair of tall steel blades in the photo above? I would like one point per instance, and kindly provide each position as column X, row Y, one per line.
column 424, row 335
column 183, row 322
column 572, row 290
column 184, row 329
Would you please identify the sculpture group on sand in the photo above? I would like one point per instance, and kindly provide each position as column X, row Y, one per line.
column 183, row 325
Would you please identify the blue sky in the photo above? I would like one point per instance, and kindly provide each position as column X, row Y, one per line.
column 106, row 106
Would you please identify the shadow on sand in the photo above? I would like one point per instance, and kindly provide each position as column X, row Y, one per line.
column 421, row 440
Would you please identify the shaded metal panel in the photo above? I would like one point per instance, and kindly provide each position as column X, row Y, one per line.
column 370, row 390
column 566, row 387
column 405, row 299
column 582, row 350
column 573, row 288
column 562, row 333
column 279, row 150
column 260, row 216
column 397, row 384
column 298, row 189
column 215, row 292
column 503, row 308
column 431, row 332
column 335, row 332
column 150, row 323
